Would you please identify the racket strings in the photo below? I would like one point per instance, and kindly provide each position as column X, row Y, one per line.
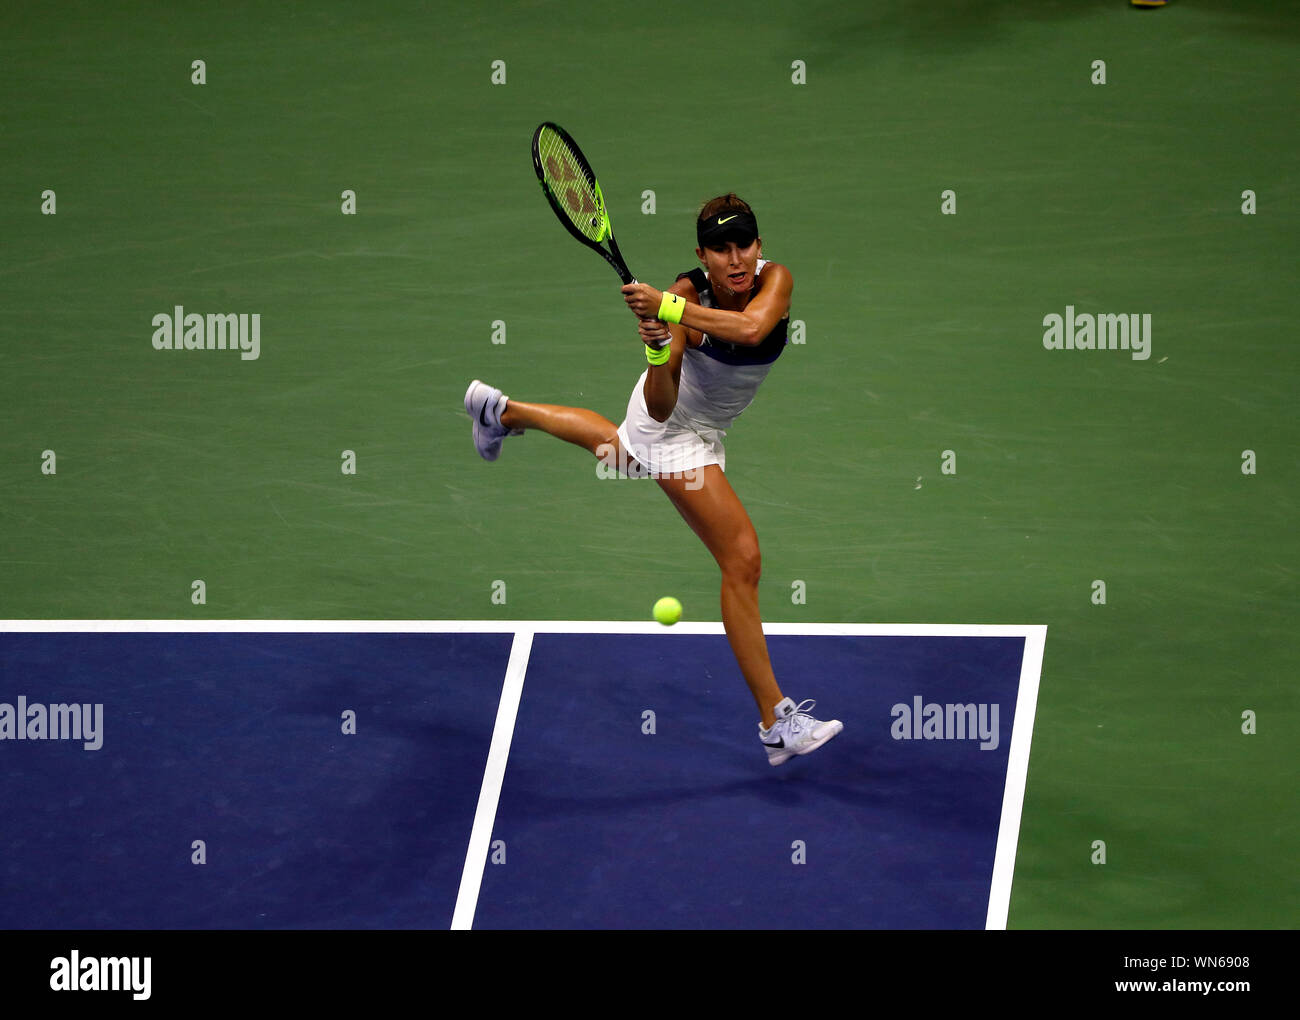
column 569, row 182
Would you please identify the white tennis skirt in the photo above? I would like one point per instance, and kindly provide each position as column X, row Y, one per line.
column 667, row 447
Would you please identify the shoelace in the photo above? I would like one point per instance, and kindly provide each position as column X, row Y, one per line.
column 799, row 719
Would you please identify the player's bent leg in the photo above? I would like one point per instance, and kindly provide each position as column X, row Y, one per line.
column 495, row 416
column 592, row 431
column 575, row 425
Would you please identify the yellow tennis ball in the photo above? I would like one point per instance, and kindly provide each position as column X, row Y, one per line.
column 668, row 610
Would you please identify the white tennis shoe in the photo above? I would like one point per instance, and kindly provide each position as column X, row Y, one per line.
column 795, row 731
column 485, row 404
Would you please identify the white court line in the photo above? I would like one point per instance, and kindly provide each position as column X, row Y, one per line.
column 504, row 627
column 476, row 859
column 485, row 816
column 1013, row 797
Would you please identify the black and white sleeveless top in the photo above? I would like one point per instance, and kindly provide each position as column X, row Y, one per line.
column 720, row 379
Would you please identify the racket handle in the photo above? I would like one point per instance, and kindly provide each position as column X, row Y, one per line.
column 643, row 318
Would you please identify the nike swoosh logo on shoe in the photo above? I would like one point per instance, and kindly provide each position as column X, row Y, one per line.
column 482, row 416
column 780, row 743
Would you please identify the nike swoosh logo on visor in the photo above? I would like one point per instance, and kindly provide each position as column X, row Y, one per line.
column 721, row 221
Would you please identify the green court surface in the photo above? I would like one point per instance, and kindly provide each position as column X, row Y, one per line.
column 922, row 333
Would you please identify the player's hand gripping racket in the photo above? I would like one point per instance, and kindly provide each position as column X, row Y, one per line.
column 570, row 186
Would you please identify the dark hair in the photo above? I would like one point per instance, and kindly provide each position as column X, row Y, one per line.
column 728, row 203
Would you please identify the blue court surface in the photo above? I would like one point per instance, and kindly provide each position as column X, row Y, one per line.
column 408, row 775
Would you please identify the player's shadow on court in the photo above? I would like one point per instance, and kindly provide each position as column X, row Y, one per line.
column 850, row 786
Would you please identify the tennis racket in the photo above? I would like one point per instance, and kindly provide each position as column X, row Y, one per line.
column 570, row 186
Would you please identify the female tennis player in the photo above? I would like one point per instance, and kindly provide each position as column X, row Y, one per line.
column 710, row 340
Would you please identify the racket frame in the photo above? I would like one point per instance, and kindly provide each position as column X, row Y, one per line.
column 614, row 257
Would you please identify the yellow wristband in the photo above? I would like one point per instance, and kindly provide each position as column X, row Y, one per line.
column 658, row 357
column 671, row 307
